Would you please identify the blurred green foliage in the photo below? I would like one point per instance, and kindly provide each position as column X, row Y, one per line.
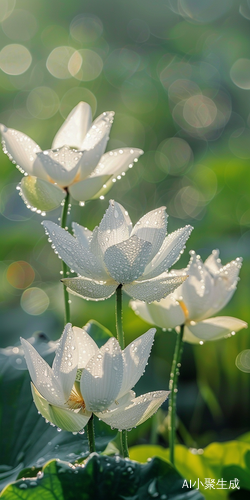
column 177, row 75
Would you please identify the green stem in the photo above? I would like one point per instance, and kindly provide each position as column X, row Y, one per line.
column 65, row 268
column 173, row 388
column 91, row 434
column 118, row 312
column 120, row 338
column 124, row 443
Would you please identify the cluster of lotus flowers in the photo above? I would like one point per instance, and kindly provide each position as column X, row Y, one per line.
column 85, row 379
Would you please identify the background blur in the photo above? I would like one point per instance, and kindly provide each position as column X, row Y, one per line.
column 177, row 75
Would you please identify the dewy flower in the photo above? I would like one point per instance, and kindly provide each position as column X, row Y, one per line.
column 85, row 379
column 75, row 163
column 115, row 253
column 208, row 289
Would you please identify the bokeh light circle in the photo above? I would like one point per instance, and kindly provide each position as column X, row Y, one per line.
column 6, row 8
column 199, row 111
column 12, row 206
column 200, row 11
column 243, row 361
column 15, row 59
column 183, row 89
column 240, row 73
column 58, row 62
column 73, row 97
column 34, row 301
column 179, row 154
column 21, row 25
column 169, row 70
column 42, row 103
column 20, row 274
column 188, row 202
column 86, row 28
column 153, row 166
column 85, row 65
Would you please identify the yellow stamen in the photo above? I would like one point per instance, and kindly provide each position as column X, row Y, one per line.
column 184, row 308
column 76, row 401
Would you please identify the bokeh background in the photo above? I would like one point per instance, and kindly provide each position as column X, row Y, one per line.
column 177, row 75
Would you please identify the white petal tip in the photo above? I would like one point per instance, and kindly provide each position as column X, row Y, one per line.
column 3, row 128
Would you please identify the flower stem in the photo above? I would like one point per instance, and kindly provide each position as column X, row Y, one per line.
column 91, row 434
column 120, row 338
column 173, row 388
column 118, row 311
column 64, row 266
column 124, row 443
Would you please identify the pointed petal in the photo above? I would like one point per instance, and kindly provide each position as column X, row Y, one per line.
column 90, row 289
column 69, row 420
column 82, row 234
column 86, row 189
column 135, row 358
column 152, row 227
column 70, row 250
column 117, row 161
column 64, row 419
column 41, row 195
column 126, row 261
column 114, row 227
column 154, row 289
column 225, row 283
column 154, row 400
column 141, row 309
column 41, row 403
column 169, row 252
column 22, row 150
column 167, row 313
column 197, row 292
column 88, row 239
column 65, row 363
column 213, row 263
column 98, row 135
column 61, row 164
column 124, row 401
column 96, row 250
column 42, row 375
column 86, row 346
column 136, row 413
column 189, row 337
column 216, row 328
column 74, row 129
column 101, row 380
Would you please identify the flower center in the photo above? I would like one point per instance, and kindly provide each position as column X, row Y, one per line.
column 76, row 401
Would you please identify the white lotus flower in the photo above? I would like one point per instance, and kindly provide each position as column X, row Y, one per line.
column 208, row 289
column 85, row 379
column 115, row 253
column 75, row 163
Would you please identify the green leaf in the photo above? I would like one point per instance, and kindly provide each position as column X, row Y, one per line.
column 217, row 461
column 244, row 437
column 25, row 439
column 102, row 477
column 98, row 332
